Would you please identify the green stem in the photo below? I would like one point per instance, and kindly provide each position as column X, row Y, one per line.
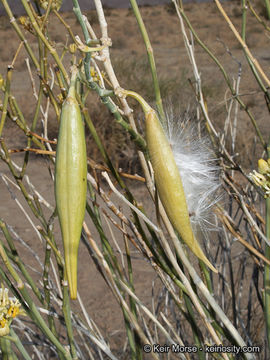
column 138, row 347
column 5, row 103
column 6, row 350
column 244, row 19
column 13, row 104
column 151, row 58
column 67, row 311
column 44, row 40
column 225, row 75
column 46, row 14
column 60, row 82
column 35, row 315
column 33, row 127
column 52, row 244
column 267, row 274
column 252, row 67
column 130, row 336
column 108, row 251
column 137, row 138
column 19, row 345
column 48, row 92
column 47, row 302
column 65, row 24
column 104, row 95
column 13, row 255
column 267, row 4
column 9, row 267
column 19, row 33
column 134, row 342
column 20, row 183
column 267, row 269
column 38, row 319
column 195, row 329
column 258, row 18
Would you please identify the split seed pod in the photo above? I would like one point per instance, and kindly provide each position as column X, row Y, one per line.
column 169, row 184
column 70, row 182
column 168, row 180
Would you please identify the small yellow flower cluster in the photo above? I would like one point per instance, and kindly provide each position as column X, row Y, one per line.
column 95, row 75
column 26, row 23
column 262, row 177
column 9, row 309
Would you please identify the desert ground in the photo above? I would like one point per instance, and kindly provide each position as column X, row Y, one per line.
column 130, row 61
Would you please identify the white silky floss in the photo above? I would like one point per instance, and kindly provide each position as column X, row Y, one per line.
column 198, row 170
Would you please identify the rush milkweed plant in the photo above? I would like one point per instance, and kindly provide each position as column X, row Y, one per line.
column 144, row 287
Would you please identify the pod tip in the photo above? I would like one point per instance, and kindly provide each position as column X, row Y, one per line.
column 71, row 276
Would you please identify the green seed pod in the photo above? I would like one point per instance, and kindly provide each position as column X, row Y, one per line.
column 70, row 182
column 169, row 184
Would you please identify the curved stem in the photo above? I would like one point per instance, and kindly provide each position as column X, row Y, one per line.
column 151, row 58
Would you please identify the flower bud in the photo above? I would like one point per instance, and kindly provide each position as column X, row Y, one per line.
column 263, row 166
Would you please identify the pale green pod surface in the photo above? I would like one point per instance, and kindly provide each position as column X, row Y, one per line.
column 169, row 184
column 70, row 183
